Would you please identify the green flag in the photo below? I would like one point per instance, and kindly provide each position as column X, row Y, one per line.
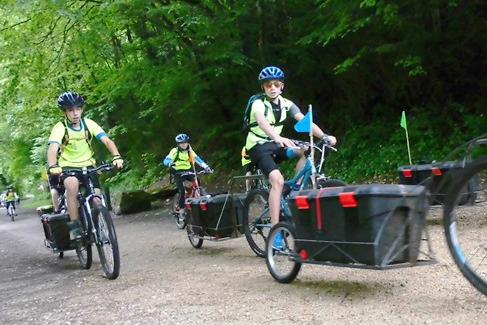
column 403, row 120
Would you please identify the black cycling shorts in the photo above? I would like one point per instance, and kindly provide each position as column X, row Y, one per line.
column 92, row 176
column 266, row 156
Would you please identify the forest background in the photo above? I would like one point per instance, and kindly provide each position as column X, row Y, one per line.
column 152, row 69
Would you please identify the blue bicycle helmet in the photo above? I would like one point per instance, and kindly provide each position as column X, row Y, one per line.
column 271, row 72
column 70, row 99
column 182, row 138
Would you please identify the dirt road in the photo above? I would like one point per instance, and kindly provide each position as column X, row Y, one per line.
column 164, row 280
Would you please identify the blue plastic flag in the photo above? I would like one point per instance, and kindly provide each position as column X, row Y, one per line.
column 304, row 125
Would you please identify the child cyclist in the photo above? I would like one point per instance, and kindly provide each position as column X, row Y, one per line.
column 10, row 198
column 265, row 144
column 72, row 141
column 179, row 159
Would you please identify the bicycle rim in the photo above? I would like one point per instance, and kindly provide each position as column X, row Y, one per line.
column 108, row 244
column 257, row 220
column 465, row 222
column 280, row 259
column 195, row 242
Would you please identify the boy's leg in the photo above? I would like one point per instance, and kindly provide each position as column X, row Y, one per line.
column 55, row 199
column 277, row 183
column 71, row 185
column 180, row 185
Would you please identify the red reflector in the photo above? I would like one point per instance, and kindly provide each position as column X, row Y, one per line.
column 203, row 206
column 407, row 173
column 303, row 254
column 302, row 202
column 347, row 199
column 188, row 205
column 436, row 171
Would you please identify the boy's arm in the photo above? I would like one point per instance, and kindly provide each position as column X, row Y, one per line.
column 117, row 159
column 200, row 161
column 52, row 158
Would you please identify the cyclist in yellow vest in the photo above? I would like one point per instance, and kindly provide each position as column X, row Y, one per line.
column 248, row 168
column 72, row 138
column 10, row 198
column 265, row 144
column 180, row 160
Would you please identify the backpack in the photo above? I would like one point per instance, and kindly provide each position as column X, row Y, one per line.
column 88, row 135
column 246, row 121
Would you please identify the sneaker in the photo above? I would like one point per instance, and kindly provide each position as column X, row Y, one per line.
column 278, row 241
column 74, row 230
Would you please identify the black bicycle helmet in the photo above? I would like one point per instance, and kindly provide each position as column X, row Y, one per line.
column 70, row 99
column 271, row 73
column 182, row 138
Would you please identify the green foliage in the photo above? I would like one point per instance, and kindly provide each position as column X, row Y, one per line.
column 151, row 69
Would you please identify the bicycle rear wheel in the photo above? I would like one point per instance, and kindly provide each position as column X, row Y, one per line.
column 281, row 261
column 257, row 220
column 465, row 222
column 107, row 244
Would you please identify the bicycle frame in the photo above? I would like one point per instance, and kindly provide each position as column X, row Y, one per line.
column 85, row 199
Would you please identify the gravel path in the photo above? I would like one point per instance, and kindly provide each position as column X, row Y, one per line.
column 166, row 281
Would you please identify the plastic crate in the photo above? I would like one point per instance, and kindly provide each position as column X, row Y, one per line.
column 436, row 177
column 56, row 231
column 217, row 216
column 366, row 224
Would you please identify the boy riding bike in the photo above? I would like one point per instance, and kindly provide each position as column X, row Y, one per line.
column 264, row 143
column 70, row 146
column 180, row 161
column 10, row 198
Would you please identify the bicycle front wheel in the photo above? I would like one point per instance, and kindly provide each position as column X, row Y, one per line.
column 465, row 222
column 107, row 244
column 83, row 250
column 257, row 220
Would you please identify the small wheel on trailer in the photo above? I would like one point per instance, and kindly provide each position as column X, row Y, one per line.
column 281, row 254
column 60, row 255
column 195, row 241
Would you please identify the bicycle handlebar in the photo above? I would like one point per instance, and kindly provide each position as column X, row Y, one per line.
column 203, row 171
column 321, row 143
column 72, row 171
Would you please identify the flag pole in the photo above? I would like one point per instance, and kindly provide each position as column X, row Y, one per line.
column 404, row 124
column 313, row 175
column 409, row 149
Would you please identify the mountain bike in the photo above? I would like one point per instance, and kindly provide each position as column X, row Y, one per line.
column 96, row 225
column 11, row 212
column 193, row 189
column 256, row 217
column 465, row 221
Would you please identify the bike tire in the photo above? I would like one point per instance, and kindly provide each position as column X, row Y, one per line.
column 12, row 217
column 107, row 244
column 465, row 223
column 257, row 220
column 84, row 248
column 282, row 261
column 195, row 241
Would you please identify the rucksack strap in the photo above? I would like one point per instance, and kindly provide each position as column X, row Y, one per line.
column 88, row 135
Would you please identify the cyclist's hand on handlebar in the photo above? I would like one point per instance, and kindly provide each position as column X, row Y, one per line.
column 208, row 170
column 55, row 169
column 329, row 139
column 284, row 142
column 117, row 161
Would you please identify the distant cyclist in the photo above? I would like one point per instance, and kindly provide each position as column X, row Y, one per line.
column 265, row 144
column 180, row 160
column 10, row 198
column 70, row 147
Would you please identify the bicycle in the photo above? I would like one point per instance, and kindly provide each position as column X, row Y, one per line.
column 96, row 225
column 465, row 222
column 193, row 189
column 257, row 221
column 11, row 212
